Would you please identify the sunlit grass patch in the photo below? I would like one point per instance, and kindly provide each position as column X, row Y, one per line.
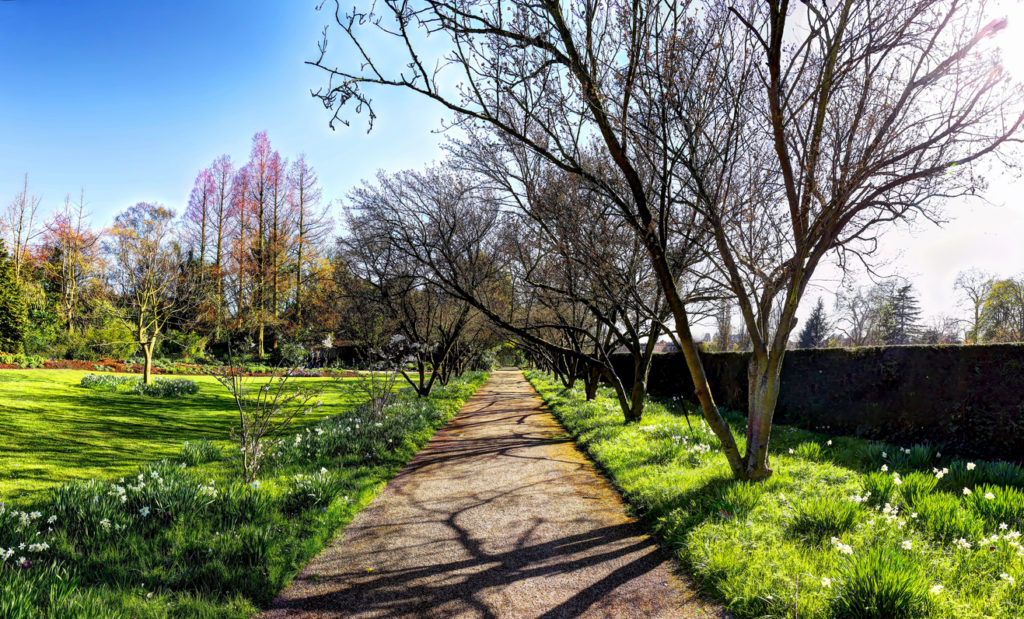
column 844, row 527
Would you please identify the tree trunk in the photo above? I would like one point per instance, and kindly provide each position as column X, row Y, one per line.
column 147, row 368
column 763, row 378
column 591, row 382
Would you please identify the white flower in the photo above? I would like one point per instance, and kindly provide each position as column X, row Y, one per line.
column 962, row 543
column 907, row 545
column 790, row 450
column 896, row 480
column 914, row 515
column 885, row 455
column 1003, row 526
column 144, row 511
column 323, row 470
column 938, row 454
column 967, row 491
column 935, row 589
column 1007, row 578
column 105, row 523
column 826, row 582
column 51, row 519
column 828, row 442
column 885, row 468
column 989, row 496
column 970, row 466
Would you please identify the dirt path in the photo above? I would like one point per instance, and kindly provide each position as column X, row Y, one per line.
column 499, row 516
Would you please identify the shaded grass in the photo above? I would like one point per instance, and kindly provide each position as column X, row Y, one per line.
column 52, row 430
column 809, row 542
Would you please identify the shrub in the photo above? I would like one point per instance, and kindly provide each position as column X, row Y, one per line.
column 198, row 452
column 316, row 490
column 167, row 388
column 880, row 486
column 824, row 516
column 882, row 583
column 998, row 504
column 942, row 518
column 916, row 485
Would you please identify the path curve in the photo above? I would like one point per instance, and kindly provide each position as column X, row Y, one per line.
column 498, row 516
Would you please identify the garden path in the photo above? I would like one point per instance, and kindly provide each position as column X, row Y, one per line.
column 498, row 516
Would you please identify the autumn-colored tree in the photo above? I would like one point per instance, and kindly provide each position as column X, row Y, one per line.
column 221, row 173
column 71, row 258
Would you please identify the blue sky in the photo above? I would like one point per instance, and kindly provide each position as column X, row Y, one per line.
column 131, row 99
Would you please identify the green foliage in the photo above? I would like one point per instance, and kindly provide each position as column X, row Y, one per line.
column 998, row 505
column 20, row 360
column 824, row 516
column 13, row 313
column 881, row 583
column 879, row 487
column 739, row 498
column 198, row 452
column 315, row 490
column 816, row 331
column 916, row 485
column 808, row 451
column 941, row 517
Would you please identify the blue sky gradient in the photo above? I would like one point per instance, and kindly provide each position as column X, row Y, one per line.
column 130, row 100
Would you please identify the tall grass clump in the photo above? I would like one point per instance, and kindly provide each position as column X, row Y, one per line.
column 943, row 519
column 997, row 505
column 879, row 488
column 881, row 583
column 194, row 453
column 916, row 485
column 824, row 516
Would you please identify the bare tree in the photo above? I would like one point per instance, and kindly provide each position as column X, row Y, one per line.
column 975, row 286
column 859, row 111
column 144, row 273
column 20, row 226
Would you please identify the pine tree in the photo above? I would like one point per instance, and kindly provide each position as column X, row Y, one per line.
column 13, row 315
column 815, row 332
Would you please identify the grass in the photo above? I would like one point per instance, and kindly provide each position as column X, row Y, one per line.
column 185, row 537
column 811, row 541
column 52, row 430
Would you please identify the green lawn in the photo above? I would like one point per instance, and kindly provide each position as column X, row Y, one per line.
column 844, row 527
column 52, row 430
column 185, row 536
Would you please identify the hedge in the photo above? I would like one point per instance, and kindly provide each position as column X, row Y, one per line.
column 969, row 399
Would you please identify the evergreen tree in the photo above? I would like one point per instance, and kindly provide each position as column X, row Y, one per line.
column 815, row 332
column 906, row 314
column 13, row 317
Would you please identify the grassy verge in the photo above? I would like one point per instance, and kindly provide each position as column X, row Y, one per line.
column 844, row 528
column 53, row 430
column 184, row 537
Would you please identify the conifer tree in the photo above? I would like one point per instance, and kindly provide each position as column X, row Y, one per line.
column 13, row 316
column 815, row 332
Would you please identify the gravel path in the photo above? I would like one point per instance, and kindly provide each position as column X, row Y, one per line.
column 499, row 516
